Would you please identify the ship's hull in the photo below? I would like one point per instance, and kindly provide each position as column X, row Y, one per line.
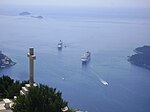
column 86, row 57
column 59, row 46
column 85, row 60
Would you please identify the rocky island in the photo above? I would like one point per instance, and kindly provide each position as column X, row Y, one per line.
column 142, row 57
column 28, row 14
column 38, row 17
column 5, row 61
column 24, row 13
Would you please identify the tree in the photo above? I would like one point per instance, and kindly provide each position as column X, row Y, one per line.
column 10, row 88
column 14, row 90
column 5, row 83
column 40, row 99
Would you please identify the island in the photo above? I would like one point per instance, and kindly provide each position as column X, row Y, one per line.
column 5, row 61
column 24, row 13
column 142, row 57
column 28, row 14
column 38, row 17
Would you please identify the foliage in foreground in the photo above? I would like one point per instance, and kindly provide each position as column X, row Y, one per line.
column 40, row 99
column 9, row 88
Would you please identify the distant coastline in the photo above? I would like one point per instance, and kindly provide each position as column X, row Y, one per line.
column 30, row 15
column 142, row 57
column 5, row 61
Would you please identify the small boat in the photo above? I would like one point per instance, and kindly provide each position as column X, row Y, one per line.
column 104, row 82
column 86, row 56
column 60, row 44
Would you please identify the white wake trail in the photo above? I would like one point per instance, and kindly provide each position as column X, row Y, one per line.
column 99, row 78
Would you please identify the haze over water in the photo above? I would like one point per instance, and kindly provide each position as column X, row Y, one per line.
column 109, row 34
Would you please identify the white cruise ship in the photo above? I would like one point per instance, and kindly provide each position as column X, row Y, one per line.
column 86, row 56
column 60, row 44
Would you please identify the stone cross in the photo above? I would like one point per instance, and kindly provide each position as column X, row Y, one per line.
column 32, row 57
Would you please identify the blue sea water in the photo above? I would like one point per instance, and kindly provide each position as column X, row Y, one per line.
column 109, row 36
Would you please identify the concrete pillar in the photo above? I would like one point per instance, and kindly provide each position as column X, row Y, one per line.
column 32, row 57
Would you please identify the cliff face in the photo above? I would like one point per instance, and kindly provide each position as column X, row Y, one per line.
column 5, row 61
column 142, row 57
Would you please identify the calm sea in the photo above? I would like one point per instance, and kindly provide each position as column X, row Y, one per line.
column 110, row 35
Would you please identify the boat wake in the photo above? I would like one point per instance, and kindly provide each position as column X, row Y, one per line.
column 105, row 83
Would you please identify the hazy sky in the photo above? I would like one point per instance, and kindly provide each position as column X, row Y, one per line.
column 108, row 3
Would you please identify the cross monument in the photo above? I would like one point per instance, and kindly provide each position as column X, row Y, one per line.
column 32, row 57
